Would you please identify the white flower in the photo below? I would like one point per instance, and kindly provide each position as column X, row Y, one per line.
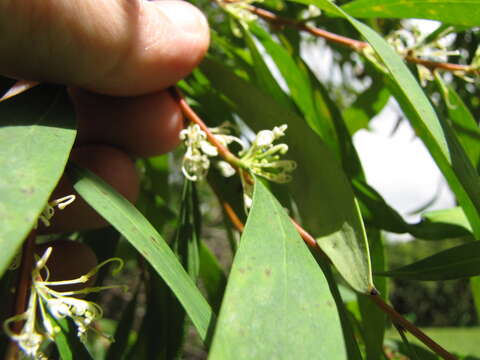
column 263, row 158
column 59, row 304
column 225, row 168
column 196, row 161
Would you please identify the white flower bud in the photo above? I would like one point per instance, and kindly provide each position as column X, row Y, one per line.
column 225, row 168
column 264, row 138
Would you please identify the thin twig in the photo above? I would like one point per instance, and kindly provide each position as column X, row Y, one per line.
column 354, row 44
column 21, row 292
column 407, row 325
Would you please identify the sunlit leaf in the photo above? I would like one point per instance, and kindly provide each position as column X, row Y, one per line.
column 455, row 263
column 463, row 122
column 455, row 12
column 277, row 304
column 453, row 216
column 121, row 214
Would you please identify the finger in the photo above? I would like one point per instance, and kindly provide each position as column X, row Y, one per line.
column 145, row 125
column 116, row 47
column 113, row 166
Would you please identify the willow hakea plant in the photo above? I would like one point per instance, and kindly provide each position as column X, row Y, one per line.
column 273, row 244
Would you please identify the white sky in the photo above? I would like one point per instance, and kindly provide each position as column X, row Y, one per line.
column 399, row 166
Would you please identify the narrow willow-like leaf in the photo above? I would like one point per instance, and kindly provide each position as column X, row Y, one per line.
column 277, row 304
column 453, row 216
column 36, row 135
column 212, row 276
column 263, row 77
column 68, row 344
column 297, row 82
column 320, row 188
column 455, row 12
column 438, row 136
column 463, row 122
column 170, row 328
column 121, row 214
column 455, row 263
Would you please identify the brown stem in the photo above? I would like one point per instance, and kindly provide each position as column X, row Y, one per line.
column 308, row 238
column 21, row 292
column 339, row 39
column 407, row 325
column 353, row 44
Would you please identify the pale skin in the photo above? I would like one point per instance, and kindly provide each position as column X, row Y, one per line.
column 117, row 57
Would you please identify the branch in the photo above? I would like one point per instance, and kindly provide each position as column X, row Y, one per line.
column 355, row 45
column 308, row 238
column 407, row 325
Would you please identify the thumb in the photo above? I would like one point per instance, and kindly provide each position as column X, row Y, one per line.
column 116, row 47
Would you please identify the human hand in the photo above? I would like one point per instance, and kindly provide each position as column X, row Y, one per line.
column 117, row 57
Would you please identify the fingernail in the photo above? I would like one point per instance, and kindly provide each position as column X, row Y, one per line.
column 185, row 16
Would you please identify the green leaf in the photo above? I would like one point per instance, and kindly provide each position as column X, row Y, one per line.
column 170, row 327
column 277, row 304
column 212, row 276
column 455, row 12
column 463, row 122
column 453, row 216
column 121, row 214
column 324, row 197
column 263, row 77
column 437, row 135
column 68, row 344
column 455, row 263
column 36, row 135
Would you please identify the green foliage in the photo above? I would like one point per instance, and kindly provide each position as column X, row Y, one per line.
column 280, row 277
column 275, row 297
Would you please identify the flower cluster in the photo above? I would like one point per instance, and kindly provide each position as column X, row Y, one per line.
column 196, row 162
column 263, row 159
column 45, row 303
